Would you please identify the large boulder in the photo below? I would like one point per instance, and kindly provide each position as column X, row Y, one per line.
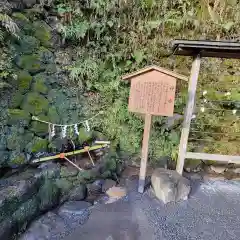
column 28, row 44
column 76, row 211
column 37, row 145
column 25, row 213
column 30, row 62
column 38, row 128
column 35, row 103
column 49, row 226
column 108, row 183
column 24, row 81
column 49, row 170
column 18, row 117
column 16, row 159
column 169, row 186
column 4, row 156
column 16, row 100
column 42, row 31
column 78, row 193
column 48, row 195
column 14, row 192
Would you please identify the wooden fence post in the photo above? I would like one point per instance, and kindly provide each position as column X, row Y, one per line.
column 143, row 168
column 192, row 87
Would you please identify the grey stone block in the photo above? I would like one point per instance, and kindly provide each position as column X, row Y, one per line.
column 169, row 186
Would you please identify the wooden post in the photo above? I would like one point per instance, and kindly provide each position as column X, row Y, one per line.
column 146, row 134
column 188, row 113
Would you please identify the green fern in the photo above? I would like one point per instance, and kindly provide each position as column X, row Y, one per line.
column 9, row 24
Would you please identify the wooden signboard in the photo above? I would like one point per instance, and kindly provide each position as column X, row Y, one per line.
column 152, row 93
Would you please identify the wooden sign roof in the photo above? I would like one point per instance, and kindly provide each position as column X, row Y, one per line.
column 218, row 49
column 156, row 68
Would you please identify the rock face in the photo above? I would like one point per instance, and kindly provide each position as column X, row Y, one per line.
column 54, row 225
column 73, row 208
column 78, row 193
column 169, row 186
column 218, row 169
column 108, row 183
column 38, row 89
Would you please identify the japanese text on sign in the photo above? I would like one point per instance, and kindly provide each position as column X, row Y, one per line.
column 153, row 97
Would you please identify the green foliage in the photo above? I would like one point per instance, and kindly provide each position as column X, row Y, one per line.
column 7, row 22
column 114, row 37
column 6, row 68
column 77, row 30
column 35, row 103
column 109, row 39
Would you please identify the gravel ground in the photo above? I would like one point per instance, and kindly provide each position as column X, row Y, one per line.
column 211, row 213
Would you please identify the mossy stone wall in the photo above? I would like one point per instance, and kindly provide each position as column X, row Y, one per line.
column 39, row 88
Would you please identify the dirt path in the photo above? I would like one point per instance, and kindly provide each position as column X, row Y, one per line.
column 212, row 212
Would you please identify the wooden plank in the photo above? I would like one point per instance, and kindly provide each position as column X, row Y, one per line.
column 143, row 168
column 188, row 113
column 213, row 157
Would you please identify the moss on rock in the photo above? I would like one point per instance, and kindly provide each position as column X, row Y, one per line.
column 14, row 141
column 87, row 175
column 45, row 55
column 17, row 138
column 28, row 44
column 66, row 172
column 4, row 156
column 56, row 144
column 17, row 116
column 53, row 114
column 26, row 212
column 16, row 159
column 37, row 145
column 30, row 63
column 20, row 16
column 64, row 186
column 42, row 32
column 41, row 129
column 24, row 81
column 35, row 103
column 51, row 69
column 16, row 100
column 84, row 136
column 23, row 22
column 40, row 86
column 48, row 195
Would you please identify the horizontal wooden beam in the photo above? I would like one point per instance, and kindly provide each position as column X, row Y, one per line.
column 49, row 158
column 213, row 157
